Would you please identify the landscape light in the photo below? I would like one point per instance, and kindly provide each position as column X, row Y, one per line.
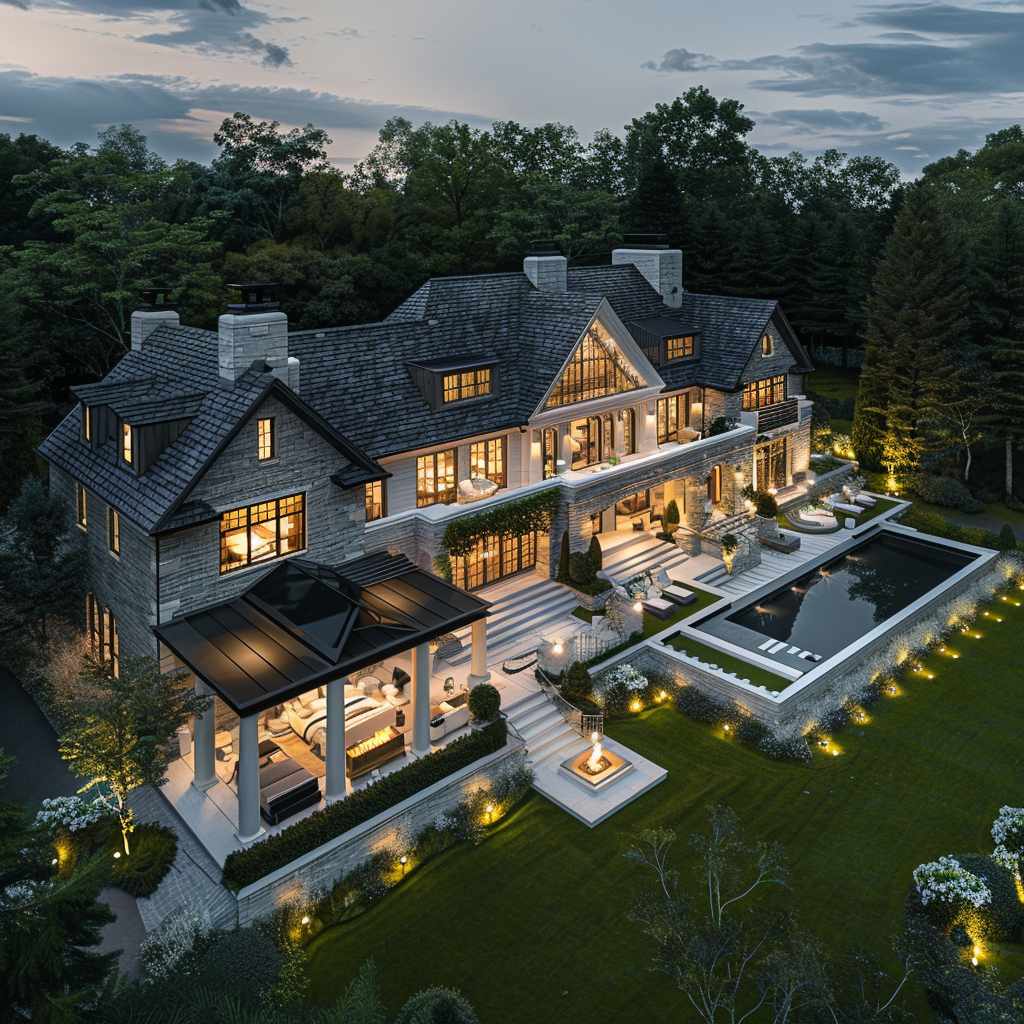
column 725, row 727
column 117, row 853
column 977, row 950
column 305, row 918
column 835, row 753
column 54, row 862
column 636, row 706
column 663, row 694
column 956, row 655
column 974, row 961
column 403, row 859
column 638, row 607
column 557, row 647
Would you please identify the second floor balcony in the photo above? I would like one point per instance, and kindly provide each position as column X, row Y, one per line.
column 781, row 414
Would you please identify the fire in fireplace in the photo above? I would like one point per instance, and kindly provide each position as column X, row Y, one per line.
column 380, row 747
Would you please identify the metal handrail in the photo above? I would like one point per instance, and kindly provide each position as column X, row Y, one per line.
column 584, row 724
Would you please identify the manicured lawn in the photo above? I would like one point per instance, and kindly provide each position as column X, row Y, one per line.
column 531, row 924
column 834, row 381
column 744, row 670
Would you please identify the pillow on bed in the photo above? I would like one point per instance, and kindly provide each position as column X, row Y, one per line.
column 319, row 704
column 305, row 699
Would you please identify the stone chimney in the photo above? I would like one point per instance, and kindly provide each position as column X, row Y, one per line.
column 662, row 266
column 252, row 329
column 546, row 267
column 154, row 311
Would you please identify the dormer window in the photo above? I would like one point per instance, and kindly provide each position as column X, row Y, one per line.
column 265, row 441
column 127, row 444
column 86, row 426
column 681, row 347
column 468, row 384
column 767, row 344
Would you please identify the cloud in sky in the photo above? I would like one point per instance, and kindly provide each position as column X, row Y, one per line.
column 826, row 120
column 934, row 49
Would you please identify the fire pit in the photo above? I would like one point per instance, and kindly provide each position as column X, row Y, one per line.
column 596, row 768
column 382, row 746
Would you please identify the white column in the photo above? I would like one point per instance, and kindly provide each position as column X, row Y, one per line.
column 421, row 700
column 478, row 664
column 249, row 827
column 335, row 753
column 204, row 752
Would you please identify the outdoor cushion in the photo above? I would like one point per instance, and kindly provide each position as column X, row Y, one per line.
column 679, row 594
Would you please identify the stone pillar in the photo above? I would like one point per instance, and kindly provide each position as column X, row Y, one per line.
column 478, row 668
column 648, row 424
column 421, row 700
column 249, row 827
column 334, row 788
column 204, row 744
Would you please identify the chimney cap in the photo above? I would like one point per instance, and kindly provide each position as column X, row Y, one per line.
column 257, row 297
column 543, row 247
column 645, row 241
column 156, row 297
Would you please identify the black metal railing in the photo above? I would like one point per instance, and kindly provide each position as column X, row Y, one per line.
column 779, row 415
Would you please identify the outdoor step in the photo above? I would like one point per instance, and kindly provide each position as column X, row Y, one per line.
column 544, row 730
column 533, row 715
column 558, row 747
column 525, row 705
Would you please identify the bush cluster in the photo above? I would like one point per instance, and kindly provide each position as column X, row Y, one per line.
column 243, row 867
column 153, row 849
column 933, row 523
column 945, row 491
column 484, row 702
column 766, row 505
column 577, row 683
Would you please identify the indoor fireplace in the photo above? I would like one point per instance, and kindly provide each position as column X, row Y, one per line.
column 380, row 747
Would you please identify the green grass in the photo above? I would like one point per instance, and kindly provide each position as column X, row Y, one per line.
column 834, row 382
column 531, row 925
column 758, row 676
column 652, row 624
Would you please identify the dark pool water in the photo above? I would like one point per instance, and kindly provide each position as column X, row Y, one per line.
column 832, row 606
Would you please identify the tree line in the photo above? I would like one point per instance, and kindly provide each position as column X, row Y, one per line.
column 86, row 227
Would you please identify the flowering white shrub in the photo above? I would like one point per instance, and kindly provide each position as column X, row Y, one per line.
column 72, row 812
column 1008, row 832
column 945, row 881
column 624, row 675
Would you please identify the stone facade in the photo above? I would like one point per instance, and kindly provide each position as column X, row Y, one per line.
column 394, row 829
column 190, row 575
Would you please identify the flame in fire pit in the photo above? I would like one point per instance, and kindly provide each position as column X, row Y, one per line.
column 379, row 738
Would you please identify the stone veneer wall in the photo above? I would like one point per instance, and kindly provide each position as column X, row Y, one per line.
column 395, row 828
column 797, row 713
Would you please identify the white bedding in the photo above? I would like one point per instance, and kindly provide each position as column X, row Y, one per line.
column 354, row 707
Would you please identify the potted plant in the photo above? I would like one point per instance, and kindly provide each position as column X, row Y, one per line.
column 671, row 520
column 729, row 547
column 484, row 702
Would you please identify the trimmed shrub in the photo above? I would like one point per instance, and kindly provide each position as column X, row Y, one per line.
column 437, row 1006
column 153, row 849
column 671, row 518
column 696, row 704
column 484, row 702
column 243, row 867
column 793, row 749
column 1007, row 539
column 581, row 568
column 1002, row 918
column 563, row 559
column 751, row 730
column 577, row 682
column 766, row 505
column 594, row 551
column 945, row 491
column 244, row 959
column 1013, row 504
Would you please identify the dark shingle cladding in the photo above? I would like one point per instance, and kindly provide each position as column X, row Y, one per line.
column 182, row 361
column 356, row 379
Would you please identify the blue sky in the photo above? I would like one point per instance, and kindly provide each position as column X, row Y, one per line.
column 907, row 81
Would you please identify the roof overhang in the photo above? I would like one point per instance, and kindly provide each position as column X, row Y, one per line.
column 303, row 625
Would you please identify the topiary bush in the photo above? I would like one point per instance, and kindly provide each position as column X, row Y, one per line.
column 581, row 569
column 595, row 553
column 1002, row 918
column 671, row 518
column 244, row 959
column 153, row 849
column 578, row 682
column 945, row 491
column 563, row 559
column 484, row 702
column 766, row 505
column 1007, row 539
column 437, row 1006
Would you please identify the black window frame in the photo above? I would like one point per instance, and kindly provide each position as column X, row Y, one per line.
column 450, row 495
column 113, row 531
column 231, row 523
column 376, row 503
column 759, row 394
column 272, row 432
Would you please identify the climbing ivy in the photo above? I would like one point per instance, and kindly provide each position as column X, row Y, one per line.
column 512, row 519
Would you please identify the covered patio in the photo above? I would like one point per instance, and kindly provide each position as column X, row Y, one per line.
column 310, row 641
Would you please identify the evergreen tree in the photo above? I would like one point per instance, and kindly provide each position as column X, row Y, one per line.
column 917, row 324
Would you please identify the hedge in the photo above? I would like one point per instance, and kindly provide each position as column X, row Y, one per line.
column 511, row 519
column 243, row 867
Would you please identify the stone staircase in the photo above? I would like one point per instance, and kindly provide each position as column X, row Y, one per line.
column 624, row 555
column 548, row 736
column 536, row 606
column 773, row 565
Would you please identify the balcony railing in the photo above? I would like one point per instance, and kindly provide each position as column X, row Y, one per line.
column 779, row 415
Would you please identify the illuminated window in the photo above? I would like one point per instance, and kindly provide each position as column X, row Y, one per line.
column 550, row 452
column 628, row 432
column 597, row 368
column 673, row 415
column 767, row 344
column 265, row 439
column 759, row 393
column 86, row 426
column 113, row 531
column 126, row 443
column 101, row 634
column 375, row 501
column 679, row 348
column 81, row 505
column 467, row 384
column 487, row 460
column 257, row 533
column 435, row 479
column 634, row 504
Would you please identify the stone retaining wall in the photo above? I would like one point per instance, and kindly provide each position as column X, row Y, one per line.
column 395, row 828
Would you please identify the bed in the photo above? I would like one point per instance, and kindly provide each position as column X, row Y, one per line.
column 304, row 725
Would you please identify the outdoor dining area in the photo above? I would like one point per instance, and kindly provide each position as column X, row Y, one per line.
column 323, row 673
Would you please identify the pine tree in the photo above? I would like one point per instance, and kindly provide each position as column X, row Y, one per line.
column 917, row 324
column 999, row 314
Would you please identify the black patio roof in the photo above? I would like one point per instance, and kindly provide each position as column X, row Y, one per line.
column 303, row 625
